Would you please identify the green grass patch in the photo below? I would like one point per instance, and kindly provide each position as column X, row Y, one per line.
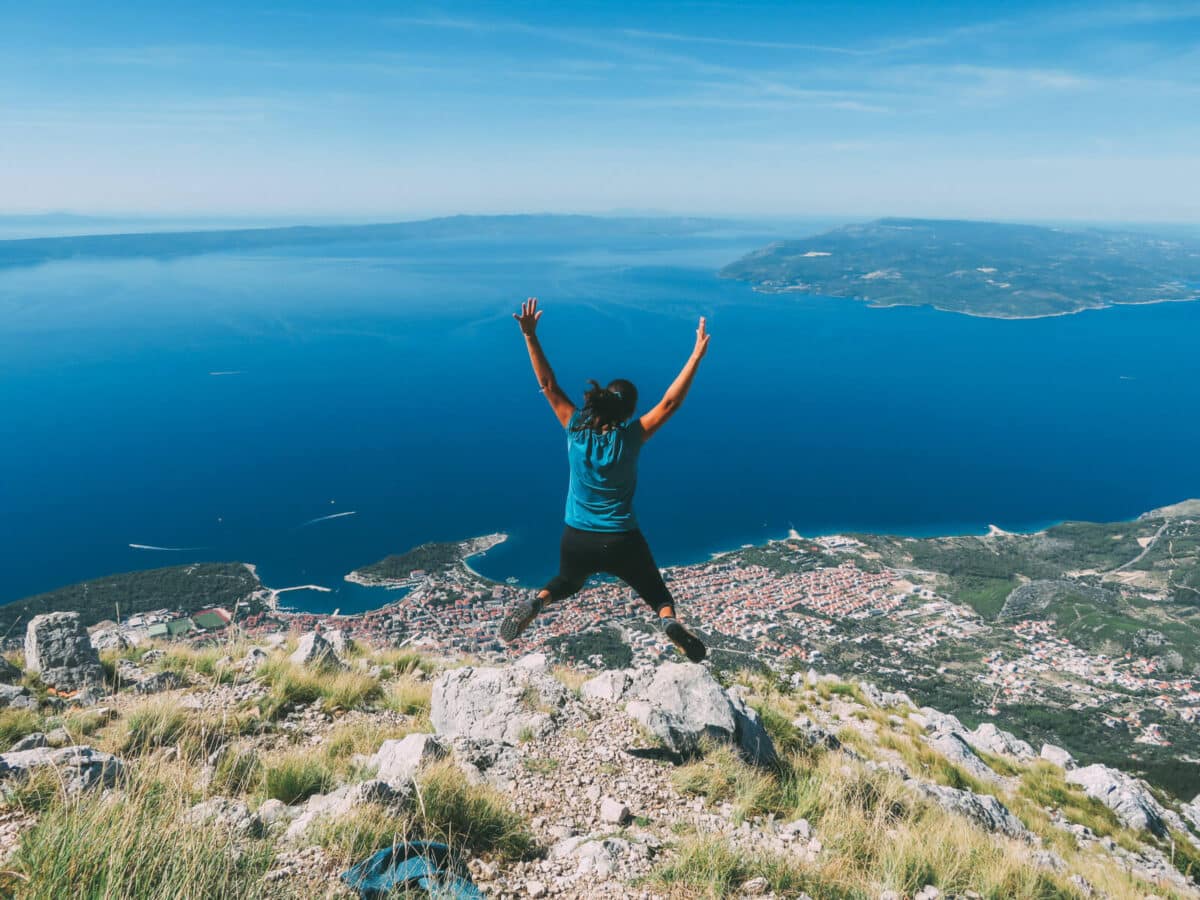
column 16, row 724
column 709, row 867
column 1044, row 784
column 297, row 775
column 135, row 845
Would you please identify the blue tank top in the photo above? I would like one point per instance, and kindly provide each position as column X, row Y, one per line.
column 603, row 476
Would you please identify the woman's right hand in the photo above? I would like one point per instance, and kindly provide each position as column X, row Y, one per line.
column 528, row 317
column 702, row 337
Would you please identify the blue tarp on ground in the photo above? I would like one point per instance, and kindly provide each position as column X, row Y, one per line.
column 424, row 865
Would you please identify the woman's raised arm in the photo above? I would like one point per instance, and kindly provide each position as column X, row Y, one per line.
column 528, row 320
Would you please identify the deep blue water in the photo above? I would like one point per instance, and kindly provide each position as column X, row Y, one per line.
column 392, row 382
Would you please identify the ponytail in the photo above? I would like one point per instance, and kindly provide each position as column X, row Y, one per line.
column 605, row 408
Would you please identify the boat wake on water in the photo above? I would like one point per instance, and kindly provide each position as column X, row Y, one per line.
column 327, row 518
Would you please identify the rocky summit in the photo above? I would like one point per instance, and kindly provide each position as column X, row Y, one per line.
column 266, row 770
column 57, row 650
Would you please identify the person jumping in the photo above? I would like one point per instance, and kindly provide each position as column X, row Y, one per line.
column 601, row 533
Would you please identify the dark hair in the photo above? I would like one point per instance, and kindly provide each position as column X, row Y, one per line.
column 607, row 407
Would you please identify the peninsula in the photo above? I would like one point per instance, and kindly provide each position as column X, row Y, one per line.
column 978, row 268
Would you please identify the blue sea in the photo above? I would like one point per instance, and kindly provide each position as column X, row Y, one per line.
column 389, row 381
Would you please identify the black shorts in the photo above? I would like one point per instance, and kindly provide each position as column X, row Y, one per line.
column 624, row 554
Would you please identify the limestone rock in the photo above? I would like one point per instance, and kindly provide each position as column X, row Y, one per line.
column 982, row 809
column 1133, row 803
column 160, row 681
column 343, row 800
column 532, row 662
column 273, row 812
column 1058, row 756
column 614, row 812
column 313, row 650
column 30, row 742
column 495, row 704
column 1191, row 812
column 80, row 768
column 57, row 649
column 609, row 686
column 683, row 705
column 939, row 721
column 16, row 697
column 339, row 639
column 814, row 735
column 756, row 744
column 399, row 761
column 485, row 760
column 600, row 858
column 955, row 748
column 108, row 639
column 990, row 739
column 226, row 813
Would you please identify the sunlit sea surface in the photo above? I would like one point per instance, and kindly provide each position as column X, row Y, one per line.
column 313, row 411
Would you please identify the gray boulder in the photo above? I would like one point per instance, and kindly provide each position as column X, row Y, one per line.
column 598, row 856
column 225, row 813
column 983, row 809
column 1191, row 812
column 955, row 748
column 1131, row 800
column 499, row 704
column 30, row 742
column 57, row 650
column 990, row 739
column 274, row 812
column 814, row 735
column 345, row 799
column 80, row 768
column 684, row 706
column 399, row 761
column 339, row 639
column 483, row 760
column 608, row 686
column 614, row 685
column 933, row 720
column 108, row 639
column 255, row 657
column 160, row 681
column 1058, row 756
column 316, row 652
column 884, row 699
column 752, row 737
column 15, row 696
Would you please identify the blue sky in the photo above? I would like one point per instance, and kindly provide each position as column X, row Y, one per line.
column 396, row 110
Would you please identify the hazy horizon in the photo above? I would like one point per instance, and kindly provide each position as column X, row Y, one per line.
column 1021, row 112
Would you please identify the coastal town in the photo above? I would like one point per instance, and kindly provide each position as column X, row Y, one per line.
column 886, row 610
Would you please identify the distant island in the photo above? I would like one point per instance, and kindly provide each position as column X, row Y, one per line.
column 178, row 244
column 978, row 268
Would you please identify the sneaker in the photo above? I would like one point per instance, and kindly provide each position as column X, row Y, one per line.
column 519, row 617
column 689, row 645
